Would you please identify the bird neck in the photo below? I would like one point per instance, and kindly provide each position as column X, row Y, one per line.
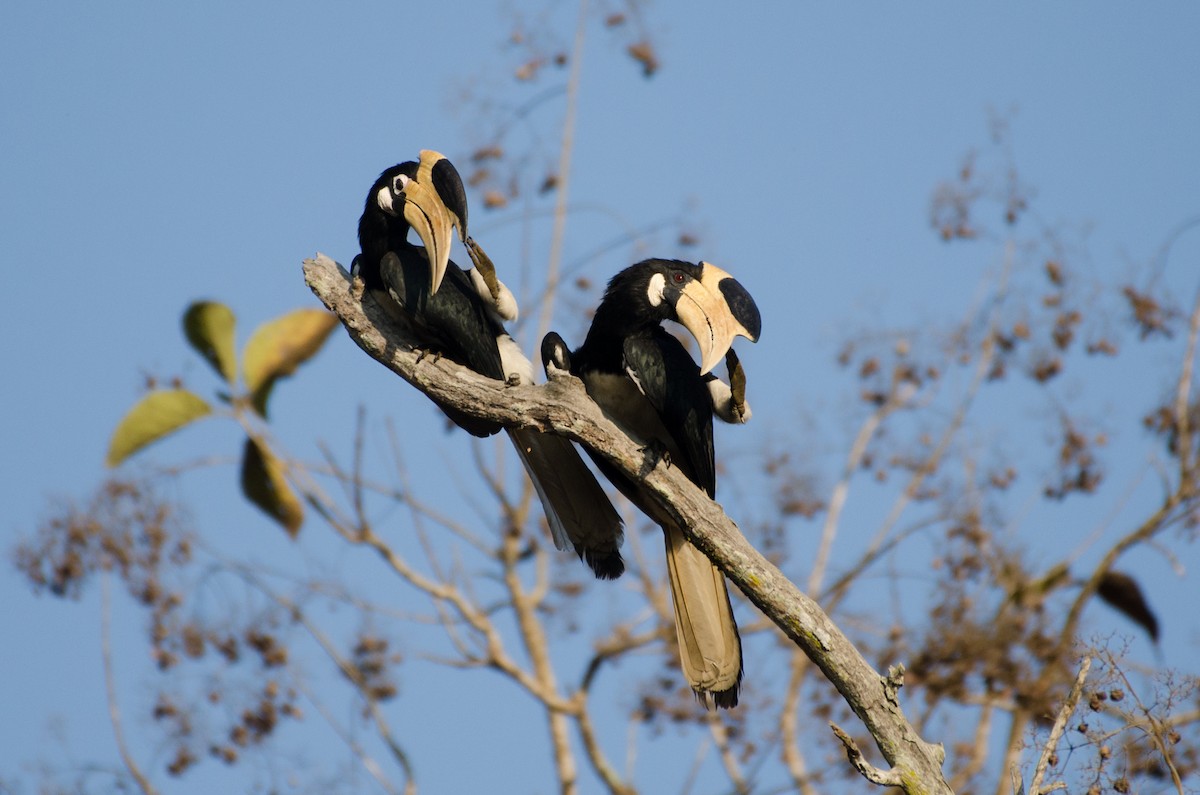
column 614, row 322
column 378, row 234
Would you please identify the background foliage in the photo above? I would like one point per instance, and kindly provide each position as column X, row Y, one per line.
column 1009, row 299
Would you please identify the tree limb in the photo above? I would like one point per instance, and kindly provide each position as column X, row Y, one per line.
column 562, row 407
column 1060, row 725
column 110, row 691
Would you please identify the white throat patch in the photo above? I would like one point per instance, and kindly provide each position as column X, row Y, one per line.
column 656, row 290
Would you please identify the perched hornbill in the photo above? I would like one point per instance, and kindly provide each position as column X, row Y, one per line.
column 459, row 314
column 645, row 381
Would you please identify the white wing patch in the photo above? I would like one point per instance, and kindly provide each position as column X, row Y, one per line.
column 722, row 402
column 633, row 376
column 513, row 360
column 503, row 308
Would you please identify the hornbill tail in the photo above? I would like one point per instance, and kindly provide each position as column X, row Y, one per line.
column 579, row 513
column 710, row 649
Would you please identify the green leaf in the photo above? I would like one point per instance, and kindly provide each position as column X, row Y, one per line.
column 260, row 396
column 279, row 346
column 264, row 485
column 208, row 326
column 158, row 414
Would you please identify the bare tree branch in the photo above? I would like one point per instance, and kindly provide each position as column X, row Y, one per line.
column 563, row 407
column 564, row 175
column 110, row 691
column 884, row 778
column 1060, row 724
column 1187, row 464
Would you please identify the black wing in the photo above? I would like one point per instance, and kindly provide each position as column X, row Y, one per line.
column 454, row 321
column 671, row 381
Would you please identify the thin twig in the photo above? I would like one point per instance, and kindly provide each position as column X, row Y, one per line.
column 564, row 176
column 884, row 778
column 591, row 747
column 350, row 671
column 837, row 499
column 1060, row 724
column 372, row 766
column 979, row 747
column 720, row 735
column 789, row 723
column 1183, row 431
column 533, row 636
column 110, row 688
column 1013, row 746
column 1154, row 727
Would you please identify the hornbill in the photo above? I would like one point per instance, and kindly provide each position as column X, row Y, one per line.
column 459, row 314
column 647, row 383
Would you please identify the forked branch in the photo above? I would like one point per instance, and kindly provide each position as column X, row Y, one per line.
column 562, row 407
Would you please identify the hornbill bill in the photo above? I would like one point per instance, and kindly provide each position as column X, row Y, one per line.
column 647, row 383
column 459, row 314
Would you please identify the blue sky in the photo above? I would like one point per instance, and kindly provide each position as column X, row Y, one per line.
column 154, row 154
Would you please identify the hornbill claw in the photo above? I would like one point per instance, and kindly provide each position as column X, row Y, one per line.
column 653, row 452
column 433, row 356
column 737, row 384
column 483, row 264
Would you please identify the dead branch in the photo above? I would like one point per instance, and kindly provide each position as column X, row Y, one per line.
column 884, row 778
column 110, row 691
column 563, row 407
column 1060, row 724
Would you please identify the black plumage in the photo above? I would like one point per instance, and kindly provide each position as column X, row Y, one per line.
column 459, row 314
column 646, row 381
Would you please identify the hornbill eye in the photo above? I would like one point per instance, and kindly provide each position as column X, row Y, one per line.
column 399, row 184
column 678, row 277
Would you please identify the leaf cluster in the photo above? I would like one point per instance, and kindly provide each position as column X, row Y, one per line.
column 273, row 352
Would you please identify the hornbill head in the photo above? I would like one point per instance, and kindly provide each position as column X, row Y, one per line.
column 429, row 196
column 706, row 300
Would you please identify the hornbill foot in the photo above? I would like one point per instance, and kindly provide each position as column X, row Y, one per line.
column 514, row 379
column 423, row 353
column 483, row 264
column 737, row 384
column 652, row 453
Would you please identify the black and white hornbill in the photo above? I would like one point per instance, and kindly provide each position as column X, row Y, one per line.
column 459, row 314
column 647, row 383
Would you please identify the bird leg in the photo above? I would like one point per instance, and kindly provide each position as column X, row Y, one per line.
column 422, row 353
column 729, row 400
column 652, row 453
column 486, row 269
column 498, row 298
column 737, row 385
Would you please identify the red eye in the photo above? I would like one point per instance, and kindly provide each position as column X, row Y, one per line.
column 679, row 277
